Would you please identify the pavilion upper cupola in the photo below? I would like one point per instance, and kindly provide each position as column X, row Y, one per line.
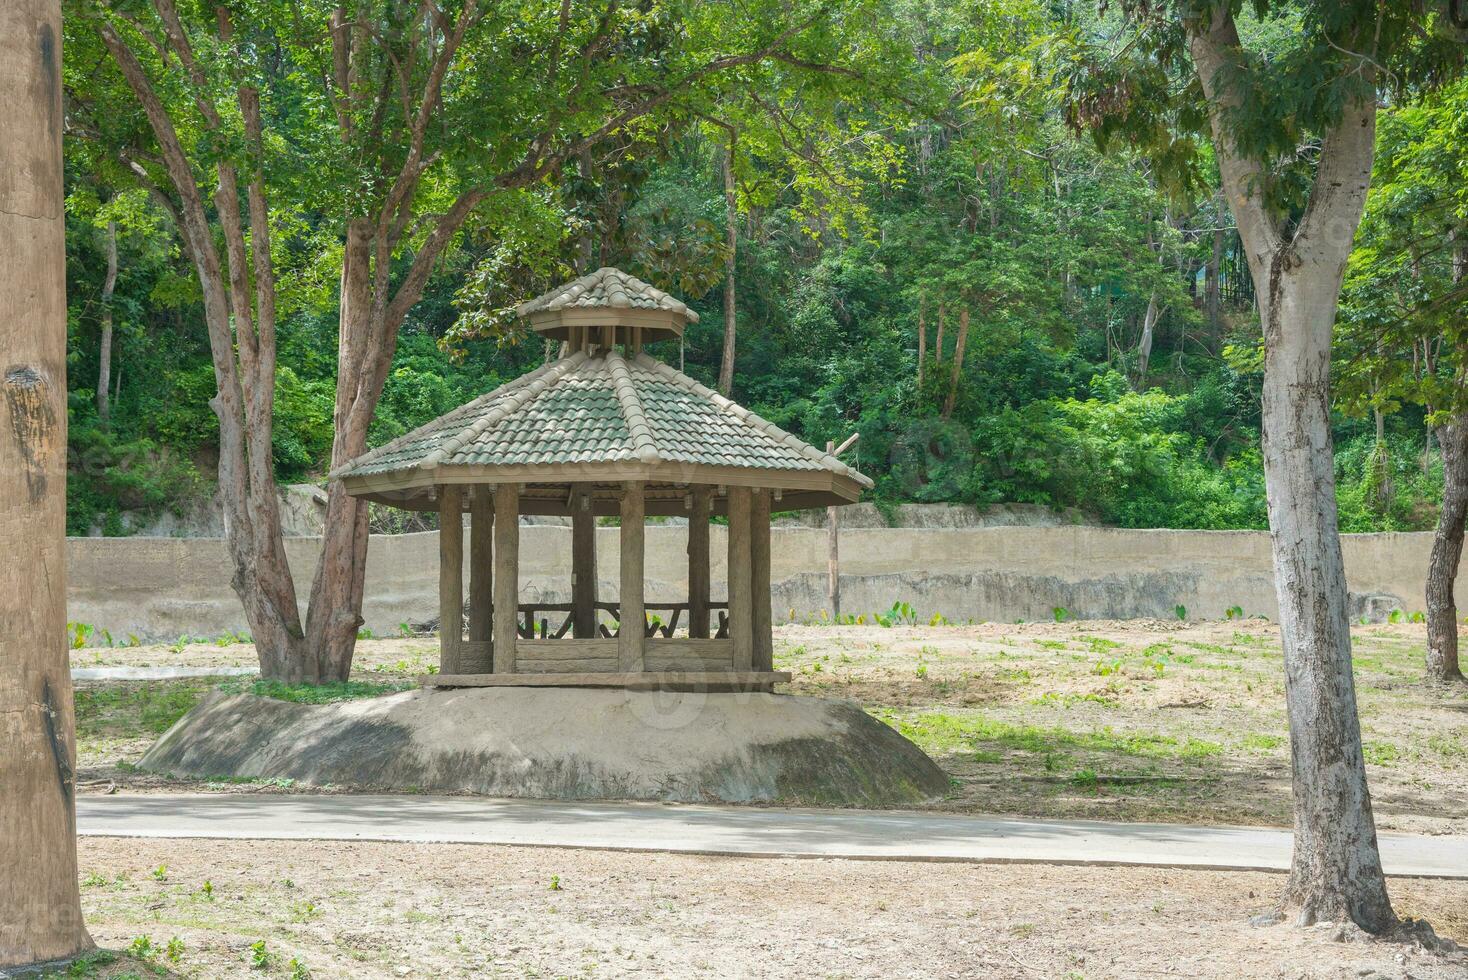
column 605, row 308
column 605, row 413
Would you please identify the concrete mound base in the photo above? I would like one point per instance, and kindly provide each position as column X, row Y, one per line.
column 560, row 744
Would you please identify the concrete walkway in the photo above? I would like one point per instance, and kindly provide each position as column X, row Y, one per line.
column 157, row 673
column 859, row 834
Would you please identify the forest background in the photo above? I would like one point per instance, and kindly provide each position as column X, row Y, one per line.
column 1003, row 311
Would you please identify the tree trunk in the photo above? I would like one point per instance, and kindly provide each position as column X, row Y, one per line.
column 1447, row 551
column 1144, row 346
column 1335, row 875
column 1212, row 284
column 334, row 615
column 731, row 219
column 952, row 400
column 922, row 353
column 40, row 907
column 104, row 355
column 239, row 314
column 1335, row 870
column 938, row 340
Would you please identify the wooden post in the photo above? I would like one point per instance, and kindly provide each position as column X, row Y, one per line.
column 632, row 633
column 506, row 575
column 40, row 911
column 698, row 565
column 833, row 555
column 741, row 596
column 450, row 577
column 583, row 567
column 759, row 581
column 480, row 656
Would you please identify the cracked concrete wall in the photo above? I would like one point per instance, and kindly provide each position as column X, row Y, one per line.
column 161, row 588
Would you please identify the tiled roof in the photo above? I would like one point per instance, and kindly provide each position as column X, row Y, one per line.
column 602, row 409
column 609, row 288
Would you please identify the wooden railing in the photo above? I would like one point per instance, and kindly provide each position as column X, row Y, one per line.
column 533, row 626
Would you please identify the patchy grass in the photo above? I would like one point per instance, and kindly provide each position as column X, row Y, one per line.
column 132, row 708
column 1175, row 721
column 316, row 693
column 1139, row 720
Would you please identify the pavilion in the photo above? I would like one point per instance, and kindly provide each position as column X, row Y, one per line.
column 605, row 430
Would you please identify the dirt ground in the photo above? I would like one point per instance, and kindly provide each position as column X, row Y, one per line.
column 398, row 910
column 1136, row 720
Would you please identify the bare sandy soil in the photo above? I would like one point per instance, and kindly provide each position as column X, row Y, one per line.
column 396, row 910
column 1136, row 720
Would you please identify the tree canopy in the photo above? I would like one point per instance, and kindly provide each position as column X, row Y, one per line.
column 899, row 164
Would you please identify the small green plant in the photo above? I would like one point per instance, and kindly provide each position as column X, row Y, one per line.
column 1418, row 617
column 79, row 634
column 901, row 614
column 1234, row 612
column 939, row 620
column 93, row 880
column 142, row 947
column 207, row 890
column 260, row 957
column 1085, row 778
column 1060, row 613
column 174, row 951
column 555, row 883
column 364, row 633
column 1395, row 616
column 1181, row 610
column 404, row 629
column 922, row 670
column 298, row 970
column 160, row 873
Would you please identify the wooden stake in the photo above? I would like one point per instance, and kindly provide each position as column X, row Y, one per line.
column 481, row 583
column 450, row 578
column 698, row 565
column 632, row 634
column 741, row 604
column 833, row 555
column 506, row 575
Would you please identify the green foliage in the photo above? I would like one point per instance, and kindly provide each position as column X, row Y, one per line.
column 860, row 214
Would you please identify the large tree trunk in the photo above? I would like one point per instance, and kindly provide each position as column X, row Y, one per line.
column 335, row 613
column 1335, row 875
column 239, row 312
column 731, row 222
column 1335, row 872
column 1447, row 542
column 1447, row 551
column 104, row 354
column 40, row 908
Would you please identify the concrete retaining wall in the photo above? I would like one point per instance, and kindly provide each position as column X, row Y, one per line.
column 161, row 588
